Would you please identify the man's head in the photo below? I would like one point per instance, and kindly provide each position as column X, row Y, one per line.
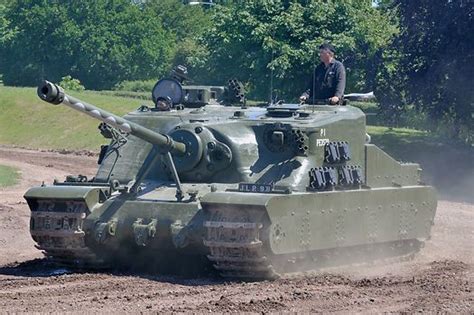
column 326, row 53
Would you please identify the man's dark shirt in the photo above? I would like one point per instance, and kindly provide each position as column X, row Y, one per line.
column 328, row 81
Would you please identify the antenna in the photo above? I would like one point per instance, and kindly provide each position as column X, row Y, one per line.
column 271, row 76
column 314, row 78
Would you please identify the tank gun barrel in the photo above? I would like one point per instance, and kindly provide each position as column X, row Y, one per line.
column 54, row 94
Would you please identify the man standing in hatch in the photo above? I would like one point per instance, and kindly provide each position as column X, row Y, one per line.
column 328, row 81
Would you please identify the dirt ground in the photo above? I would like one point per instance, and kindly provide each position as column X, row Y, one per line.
column 439, row 279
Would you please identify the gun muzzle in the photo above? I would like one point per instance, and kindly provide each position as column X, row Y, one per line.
column 51, row 93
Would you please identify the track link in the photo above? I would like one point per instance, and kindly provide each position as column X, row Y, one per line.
column 236, row 249
column 59, row 234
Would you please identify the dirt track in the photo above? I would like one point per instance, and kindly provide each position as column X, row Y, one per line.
column 440, row 279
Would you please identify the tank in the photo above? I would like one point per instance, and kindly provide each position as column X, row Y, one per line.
column 201, row 180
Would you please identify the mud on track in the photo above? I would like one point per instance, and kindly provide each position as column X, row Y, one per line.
column 440, row 279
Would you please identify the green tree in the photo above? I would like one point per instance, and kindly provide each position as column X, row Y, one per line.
column 5, row 31
column 188, row 25
column 99, row 42
column 24, row 53
column 434, row 64
column 260, row 40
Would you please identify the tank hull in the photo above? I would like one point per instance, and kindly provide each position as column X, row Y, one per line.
column 244, row 235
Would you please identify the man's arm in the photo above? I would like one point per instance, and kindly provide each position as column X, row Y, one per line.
column 341, row 81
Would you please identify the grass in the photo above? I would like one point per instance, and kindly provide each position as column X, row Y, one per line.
column 388, row 135
column 366, row 107
column 8, row 176
column 27, row 121
column 405, row 142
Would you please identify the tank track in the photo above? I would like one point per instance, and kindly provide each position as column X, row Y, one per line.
column 59, row 234
column 237, row 251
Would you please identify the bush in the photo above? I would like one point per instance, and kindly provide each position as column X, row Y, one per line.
column 136, row 86
column 69, row 83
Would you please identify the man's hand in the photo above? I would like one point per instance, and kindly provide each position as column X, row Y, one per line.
column 334, row 100
column 304, row 97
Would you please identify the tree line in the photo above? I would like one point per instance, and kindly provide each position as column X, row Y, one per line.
column 415, row 55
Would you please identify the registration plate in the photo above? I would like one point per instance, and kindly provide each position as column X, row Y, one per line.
column 257, row 188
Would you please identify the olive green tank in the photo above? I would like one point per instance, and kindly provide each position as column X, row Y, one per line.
column 201, row 180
